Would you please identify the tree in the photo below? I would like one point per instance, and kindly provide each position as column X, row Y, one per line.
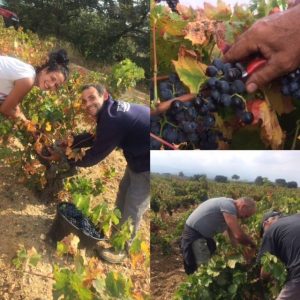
column 292, row 184
column 235, row 177
column 280, row 182
column 197, row 177
column 180, row 174
column 259, row 180
column 105, row 30
column 221, row 178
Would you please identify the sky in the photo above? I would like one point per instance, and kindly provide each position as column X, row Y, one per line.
column 246, row 164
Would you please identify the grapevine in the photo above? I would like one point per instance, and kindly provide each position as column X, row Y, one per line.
column 202, row 102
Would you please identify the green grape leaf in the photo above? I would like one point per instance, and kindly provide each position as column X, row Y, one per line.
column 190, row 71
column 82, row 202
column 117, row 285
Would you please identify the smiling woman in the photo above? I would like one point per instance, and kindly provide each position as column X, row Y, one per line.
column 18, row 78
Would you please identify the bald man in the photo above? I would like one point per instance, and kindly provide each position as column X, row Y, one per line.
column 214, row 216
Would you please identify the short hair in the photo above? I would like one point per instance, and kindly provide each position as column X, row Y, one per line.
column 249, row 202
column 99, row 87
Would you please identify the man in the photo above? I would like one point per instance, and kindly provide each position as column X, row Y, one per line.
column 276, row 38
column 281, row 237
column 214, row 216
column 126, row 126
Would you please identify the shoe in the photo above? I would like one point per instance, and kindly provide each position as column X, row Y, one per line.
column 112, row 256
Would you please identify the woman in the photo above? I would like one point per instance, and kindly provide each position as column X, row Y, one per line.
column 18, row 78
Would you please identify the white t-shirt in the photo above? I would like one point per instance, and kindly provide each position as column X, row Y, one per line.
column 12, row 69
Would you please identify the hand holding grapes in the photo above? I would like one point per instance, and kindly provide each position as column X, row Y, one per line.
column 277, row 39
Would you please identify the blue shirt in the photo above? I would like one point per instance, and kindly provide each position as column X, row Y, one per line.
column 123, row 125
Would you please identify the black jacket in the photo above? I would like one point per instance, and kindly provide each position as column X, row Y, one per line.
column 119, row 124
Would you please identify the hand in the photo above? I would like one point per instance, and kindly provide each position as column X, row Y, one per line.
column 277, row 39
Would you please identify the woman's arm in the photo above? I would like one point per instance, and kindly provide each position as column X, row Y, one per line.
column 10, row 105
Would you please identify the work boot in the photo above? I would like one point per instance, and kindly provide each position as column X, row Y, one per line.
column 111, row 255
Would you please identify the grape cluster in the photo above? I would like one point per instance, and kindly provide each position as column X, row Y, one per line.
column 224, row 89
column 194, row 122
column 291, row 84
column 171, row 88
column 171, row 3
column 184, row 123
column 76, row 217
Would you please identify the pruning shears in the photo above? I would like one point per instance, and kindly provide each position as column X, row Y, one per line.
column 253, row 66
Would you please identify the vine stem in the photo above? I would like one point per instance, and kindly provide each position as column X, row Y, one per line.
column 162, row 141
column 154, row 61
column 296, row 135
column 36, row 274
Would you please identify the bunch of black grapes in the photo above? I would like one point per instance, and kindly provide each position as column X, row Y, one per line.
column 291, row 84
column 184, row 123
column 76, row 217
column 193, row 122
column 171, row 88
column 171, row 3
column 225, row 89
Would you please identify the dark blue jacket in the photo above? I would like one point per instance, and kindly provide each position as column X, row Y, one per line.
column 119, row 124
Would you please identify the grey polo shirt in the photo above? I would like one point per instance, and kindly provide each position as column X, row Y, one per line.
column 208, row 217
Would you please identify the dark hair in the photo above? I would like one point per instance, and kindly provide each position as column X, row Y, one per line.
column 57, row 61
column 99, row 87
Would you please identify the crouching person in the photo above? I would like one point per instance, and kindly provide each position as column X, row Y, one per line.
column 214, row 216
column 281, row 237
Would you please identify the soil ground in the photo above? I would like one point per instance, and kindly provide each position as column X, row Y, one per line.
column 167, row 271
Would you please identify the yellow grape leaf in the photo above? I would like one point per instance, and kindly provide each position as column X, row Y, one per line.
column 190, row 71
column 172, row 25
column 280, row 103
column 71, row 242
column 77, row 104
column 48, row 127
column 200, row 32
column 30, row 127
column 138, row 296
column 145, row 247
column 137, row 260
column 93, row 269
column 221, row 12
column 185, row 12
column 38, row 147
column 271, row 133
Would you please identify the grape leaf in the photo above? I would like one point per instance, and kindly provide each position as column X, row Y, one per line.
column 190, row 71
column 76, row 282
column 34, row 256
column 93, row 270
column 82, row 202
column 231, row 263
column 118, row 285
column 69, row 244
column 171, row 24
column 271, row 133
column 199, row 32
column 186, row 12
column 221, row 12
column 280, row 103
